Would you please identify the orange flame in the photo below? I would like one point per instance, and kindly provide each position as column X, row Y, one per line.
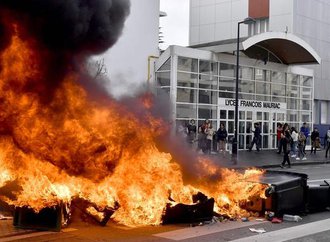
column 77, row 147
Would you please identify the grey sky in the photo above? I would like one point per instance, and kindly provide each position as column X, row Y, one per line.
column 175, row 26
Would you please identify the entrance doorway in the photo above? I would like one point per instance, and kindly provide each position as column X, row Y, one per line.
column 268, row 120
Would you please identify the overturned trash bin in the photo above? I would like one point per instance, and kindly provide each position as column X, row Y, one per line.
column 319, row 197
column 201, row 210
column 287, row 193
column 49, row 218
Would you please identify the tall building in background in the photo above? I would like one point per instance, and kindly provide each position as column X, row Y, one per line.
column 215, row 21
column 275, row 80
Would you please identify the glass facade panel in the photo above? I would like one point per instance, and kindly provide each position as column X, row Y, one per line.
column 306, row 117
column 245, row 96
column 278, row 99
column 226, row 94
column 208, row 67
column 292, row 103
column 307, row 81
column 278, row 77
column 248, row 115
column 227, row 70
column 306, row 105
column 278, row 90
column 223, row 114
column 166, row 66
column 186, row 95
column 246, row 72
column 230, row 127
column 306, row 92
column 292, row 116
column 292, row 79
column 163, row 93
column 187, row 64
column 163, row 78
column 186, row 111
column 230, row 114
column 208, row 97
column 241, row 141
column 241, row 114
column 208, row 82
column 263, row 88
column 207, row 112
column 246, row 86
column 187, row 80
column 262, row 75
column 293, row 91
column 263, row 98
column 227, row 84
column 241, row 126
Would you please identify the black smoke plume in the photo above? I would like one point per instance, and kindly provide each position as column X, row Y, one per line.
column 67, row 32
column 76, row 26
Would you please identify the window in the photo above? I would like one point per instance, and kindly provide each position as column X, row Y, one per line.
column 187, row 64
column 186, row 95
column 166, row 66
column 324, row 112
column 187, row 80
column 163, row 78
column 208, row 67
column 227, row 70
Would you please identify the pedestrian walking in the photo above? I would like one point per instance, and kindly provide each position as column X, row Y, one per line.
column 327, row 140
column 315, row 138
column 286, row 149
column 257, row 137
column 222, row 138
column 301, row 145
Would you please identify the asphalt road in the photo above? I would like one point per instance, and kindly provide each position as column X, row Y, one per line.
column 313, row 227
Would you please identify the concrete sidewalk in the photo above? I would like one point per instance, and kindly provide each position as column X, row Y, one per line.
column 266, row 159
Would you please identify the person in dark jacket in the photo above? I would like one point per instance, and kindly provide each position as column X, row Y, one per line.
column 257, row 137
column 278, row 136
column 191, row 130
column 315, row 138
column 222, row 138
column 286, row 148
column 327, row 142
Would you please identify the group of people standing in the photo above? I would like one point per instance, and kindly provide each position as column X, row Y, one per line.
column 290, row 142
column 293, row 143
column 207, row 136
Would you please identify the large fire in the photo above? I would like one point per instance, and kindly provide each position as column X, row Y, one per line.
column 73, row 146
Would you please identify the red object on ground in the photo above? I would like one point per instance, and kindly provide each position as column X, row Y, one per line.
column 276, row 220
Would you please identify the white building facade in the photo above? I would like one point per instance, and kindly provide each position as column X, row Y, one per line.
column 200, row 85
column 216, row 20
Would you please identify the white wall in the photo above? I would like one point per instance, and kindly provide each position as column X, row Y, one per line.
column 127, row 60
column 281, row 15
column 312, row 23
column 214, row 20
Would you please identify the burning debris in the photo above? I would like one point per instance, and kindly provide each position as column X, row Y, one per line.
column 62, row 139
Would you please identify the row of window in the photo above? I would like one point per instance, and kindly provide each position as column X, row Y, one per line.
column 207, row 70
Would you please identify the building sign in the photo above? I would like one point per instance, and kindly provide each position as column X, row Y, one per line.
column 252, row 104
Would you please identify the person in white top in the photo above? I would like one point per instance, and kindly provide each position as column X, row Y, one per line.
column 294, row 136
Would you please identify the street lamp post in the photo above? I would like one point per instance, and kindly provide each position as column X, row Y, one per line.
column 235, row 140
